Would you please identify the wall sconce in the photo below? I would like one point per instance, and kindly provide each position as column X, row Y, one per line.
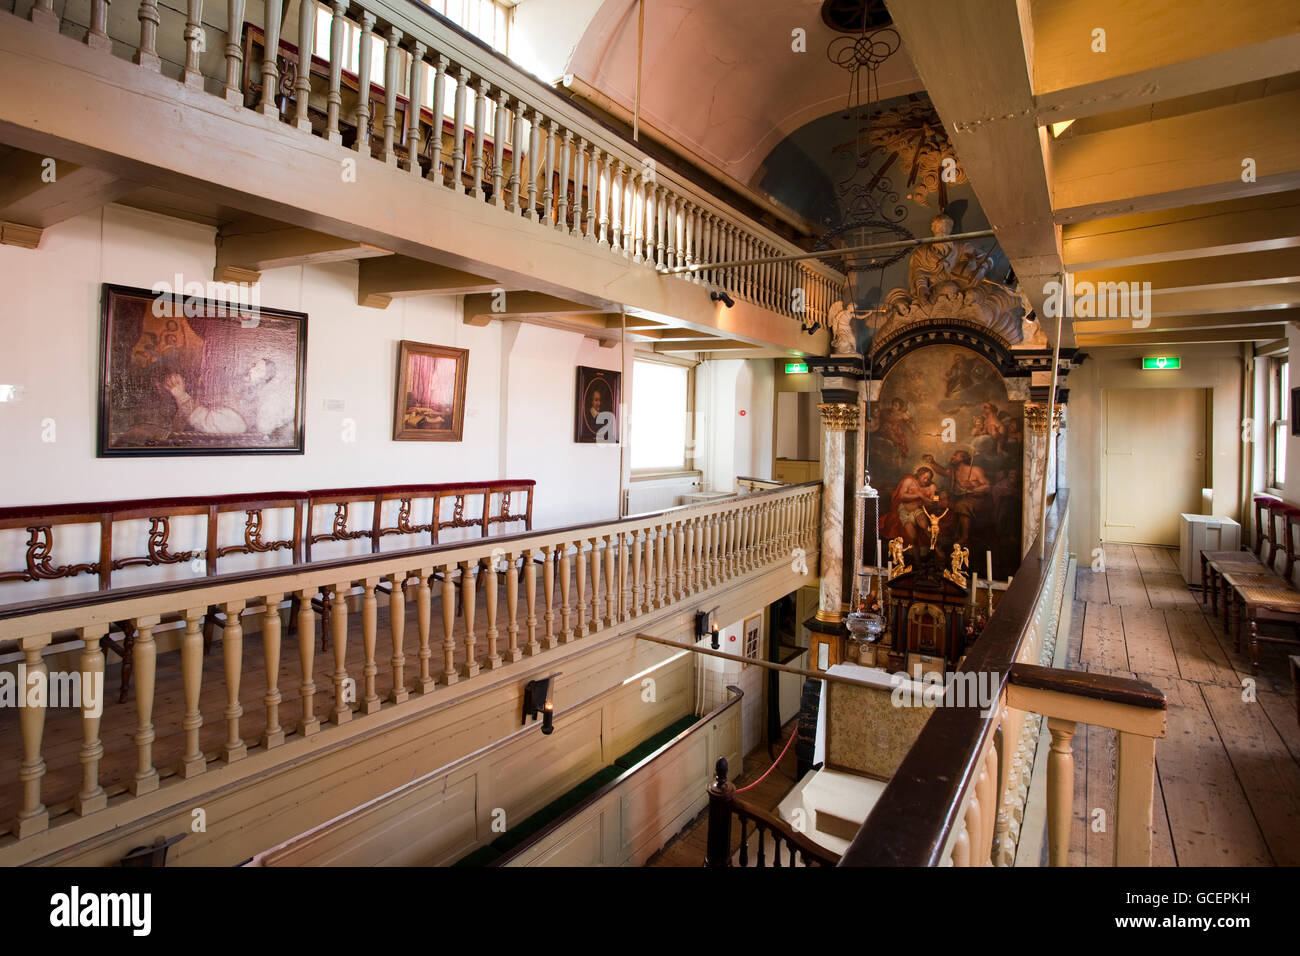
column 706, row 626
column 537, row 699
column 721, row 296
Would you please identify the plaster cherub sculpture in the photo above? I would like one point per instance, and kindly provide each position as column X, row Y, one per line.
column 840, row 323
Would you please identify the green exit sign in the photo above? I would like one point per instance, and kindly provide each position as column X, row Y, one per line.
column 1162, row 362
column 795, row 368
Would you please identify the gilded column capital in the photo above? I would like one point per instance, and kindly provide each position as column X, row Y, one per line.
column 1036, row 417
column 839, row 416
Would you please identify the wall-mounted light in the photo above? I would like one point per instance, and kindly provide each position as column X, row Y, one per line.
column 720, row 296
column 706, row 626
column 538, row 699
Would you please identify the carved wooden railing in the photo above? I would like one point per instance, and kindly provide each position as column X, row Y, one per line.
column 724, row 805
column 540, row 156
column 620, row 570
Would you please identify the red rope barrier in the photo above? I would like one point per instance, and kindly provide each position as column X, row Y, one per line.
column 793, row 734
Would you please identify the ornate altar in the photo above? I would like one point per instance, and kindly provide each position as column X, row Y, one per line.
column 927, row 613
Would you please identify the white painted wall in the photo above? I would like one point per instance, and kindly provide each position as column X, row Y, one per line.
column 545, row 34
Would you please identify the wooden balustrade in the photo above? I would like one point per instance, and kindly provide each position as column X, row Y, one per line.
column 724, row 805
column 621, row 570
column 594, row 185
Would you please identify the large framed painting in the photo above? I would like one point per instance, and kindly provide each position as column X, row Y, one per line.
column 430, row 392
column 947, row 450
column 597, row 398
column 184, row 375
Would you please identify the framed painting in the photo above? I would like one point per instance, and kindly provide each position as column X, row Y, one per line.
column 430, row 402
column 597, row 406
column 184, row 375
column 1295, row 411
column 753, row 632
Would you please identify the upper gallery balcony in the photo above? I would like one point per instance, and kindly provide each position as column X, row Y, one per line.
column 504, row 186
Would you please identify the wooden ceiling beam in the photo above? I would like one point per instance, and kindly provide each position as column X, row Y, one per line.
column 244, row 256
column 379, row 281
column 704, row 345
column 1172, row 323
column 37, row 192
column 1247, row 268
column 1241, row 333
column 1154, row 50
column 481, row 308
column 1178, row 161
column 1253, row 224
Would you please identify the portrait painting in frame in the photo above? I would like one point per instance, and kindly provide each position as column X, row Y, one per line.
column 597, row 411
column 430, row 402
column 181, row 374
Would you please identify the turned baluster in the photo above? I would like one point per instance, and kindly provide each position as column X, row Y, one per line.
column 706, row 243
column 530, row 596
column 397, row 631
column 513, row 653
column 581, row 169
column 638, row 591
column 661, row 225
column 670, row 223
column 234, row 52
column 334, row 100
column 458, row 130
column 612, row 591
column 193, row 762
column 424, row 623
column 273, row 736
column 595, row 584
column 270, row 66
column 32, row 816
column 534, row 152
column 97, row 34
column 700, row 556
column 232, row 659
column 302, row 82
column 562, row 211
column 600, row 161
column 680, row 572
column 636, row 222
column 467, row 592
column 489, row 566
column 370, row 702
column 566, row 634
column 437, row 107
column 1060, row 791
column 415, row 87
column 548, row 593
column 43, row 15
column 391, row 66
column 651, row 221
column 308, row 722
column 582, row 590
column 480, row 123
column 362, row 116
column 974, row 826
column 722, row 555
column 449, row 675
column 516, row 159
column 147, row 55
column 344, row 687
column 499, row 145
column 92, row 797
column 548, row 190
column 961, row 847
column 617, row 199
column 987, row 792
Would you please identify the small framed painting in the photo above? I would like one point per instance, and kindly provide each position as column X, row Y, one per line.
column 1295, row 411
column 180, row 374
column 596, row 414
column 753, row 633
column 430, row 402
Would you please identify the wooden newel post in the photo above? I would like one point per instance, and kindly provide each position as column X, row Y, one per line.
column 721, row 794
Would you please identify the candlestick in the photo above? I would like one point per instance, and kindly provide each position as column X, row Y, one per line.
column 988, row 565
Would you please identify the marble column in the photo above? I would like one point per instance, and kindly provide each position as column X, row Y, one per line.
column 837, row 419
column 1035, row 469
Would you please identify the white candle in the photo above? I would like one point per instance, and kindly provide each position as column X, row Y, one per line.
column 877, row 552
column 988, row 565
column 974, row 585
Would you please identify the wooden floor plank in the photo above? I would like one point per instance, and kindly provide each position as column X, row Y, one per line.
column 1162, row 837
column 1103, row 638
column 1147, row 640
column 1199, row 656
column 1265, row 767
column 1281, row 711
column 1120, row 557
column 1100, row 795
column 1074, row 642
column 1153, row 560
column 1209, row 816
column 1090, row 585
column 1127, row 588
column 1168, row 589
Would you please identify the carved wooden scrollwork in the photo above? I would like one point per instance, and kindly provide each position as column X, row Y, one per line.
column 159, row 529
column 404, row 525
column 40, row 547
column 340, row 530
column 253, row 543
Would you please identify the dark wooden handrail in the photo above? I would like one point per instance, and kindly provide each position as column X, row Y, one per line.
column 1116, row 690
column 724, row 804
column 911, row 822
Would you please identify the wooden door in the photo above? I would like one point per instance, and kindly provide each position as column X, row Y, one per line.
column 1154, row 461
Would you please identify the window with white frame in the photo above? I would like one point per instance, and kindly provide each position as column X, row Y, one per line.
column 661, row 417
column 1279, row 394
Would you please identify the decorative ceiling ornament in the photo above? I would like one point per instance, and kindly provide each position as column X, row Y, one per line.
column 946, row 280
column 912, row 137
